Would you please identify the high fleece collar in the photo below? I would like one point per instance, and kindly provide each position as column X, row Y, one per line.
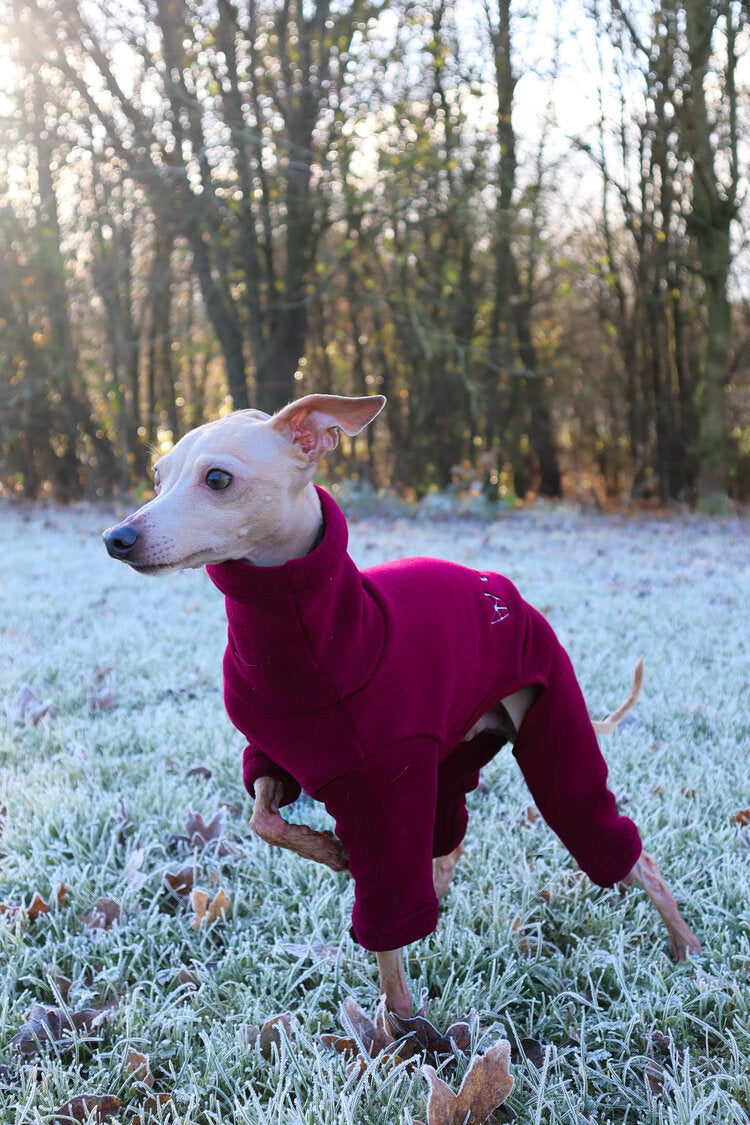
column 311, row 632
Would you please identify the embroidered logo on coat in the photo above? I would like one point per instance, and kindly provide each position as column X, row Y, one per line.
column 499, row 611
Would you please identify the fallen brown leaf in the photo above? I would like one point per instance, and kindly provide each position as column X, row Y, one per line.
column 533, row 1050
column 229, row 807
column 81, row 1107
column 182, row 881
column 341, row 1044
column 132, row 874
column 666, row 1045
column 428, row 1039
column 103, row 914
column 528, row 946
column 62, row 983
column 199, row 833
column 45, row 1024
column 149, row 1109
column 265, row 1036
column 200, row 771
column 653, row 1077
column 486, row 1085
column 367, row 1040
column 103, row 702
column 207, row 909
column 28, row 708
column 138, row 1066
column 270, row 1033
column 317, row 951
column 100, row 672
column 742, row 817
column 122, row 820
column 36, row 907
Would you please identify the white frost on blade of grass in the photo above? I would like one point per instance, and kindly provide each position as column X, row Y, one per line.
column 594, row 977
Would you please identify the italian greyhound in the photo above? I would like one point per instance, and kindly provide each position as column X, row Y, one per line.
column 240, row 488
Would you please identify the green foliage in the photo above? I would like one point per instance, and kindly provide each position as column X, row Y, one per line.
column 292, row 198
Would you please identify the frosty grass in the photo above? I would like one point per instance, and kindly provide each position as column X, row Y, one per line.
column 587, row 973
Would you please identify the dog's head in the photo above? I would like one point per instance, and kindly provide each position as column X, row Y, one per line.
column 229, row 489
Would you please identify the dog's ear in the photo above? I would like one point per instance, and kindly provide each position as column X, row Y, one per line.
column 312, row 423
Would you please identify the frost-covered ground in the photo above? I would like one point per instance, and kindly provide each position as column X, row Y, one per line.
column 584, row 971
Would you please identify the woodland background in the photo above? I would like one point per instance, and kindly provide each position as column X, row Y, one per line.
column 524, row 223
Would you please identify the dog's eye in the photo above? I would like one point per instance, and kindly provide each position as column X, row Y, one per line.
column 217, row 479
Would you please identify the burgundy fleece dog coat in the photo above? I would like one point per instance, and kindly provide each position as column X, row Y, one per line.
column 360, row 686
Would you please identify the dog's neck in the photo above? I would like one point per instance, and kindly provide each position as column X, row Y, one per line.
column 298, row 532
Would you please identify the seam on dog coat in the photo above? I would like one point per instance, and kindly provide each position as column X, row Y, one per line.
column 360, row 686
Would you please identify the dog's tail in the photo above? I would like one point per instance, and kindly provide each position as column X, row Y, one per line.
column 606, row 726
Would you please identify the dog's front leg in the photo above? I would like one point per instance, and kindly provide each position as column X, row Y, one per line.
column 268, row 823
column 393, row 982
column 646, row 874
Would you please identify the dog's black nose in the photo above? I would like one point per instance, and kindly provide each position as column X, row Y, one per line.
column 120, row 540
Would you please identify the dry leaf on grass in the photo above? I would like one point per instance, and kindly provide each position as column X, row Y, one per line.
column 528, row 946
column 653, row 1077
column 132, row 874
column 428, row 1039
column 317, row 950
column 182, row 881
column 533, row 1050
column 103, row 914
column 123, row 821
column 81, row 1107
column 36, row 907
column 103, row 702
column 207, row 909
column 137, row 1065
column 742, row 817
column 149, row 1109
column 486, row 1085
column 366, row 1040
column 665, row 1044
column 28, row 709
column 45, row 1024
column 199, row 833
column 229, row 807
column 61, row 982
column 269, row 1034
column 200, row 771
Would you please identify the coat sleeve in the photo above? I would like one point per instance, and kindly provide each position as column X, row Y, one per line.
column 385, row 817
column 256, row 764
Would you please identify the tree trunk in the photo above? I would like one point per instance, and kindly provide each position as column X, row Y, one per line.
column 712, row 391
